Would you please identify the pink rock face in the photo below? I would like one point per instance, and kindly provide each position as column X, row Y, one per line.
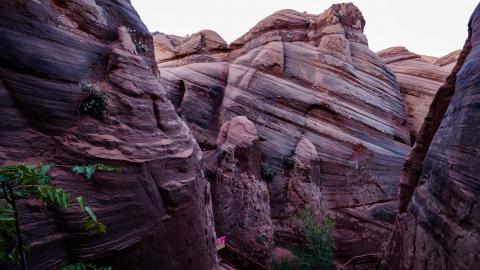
column 438, row 227
column 301, row 190
column 296, row 76
column 241, row 203
column 419, row 78
column 448, row 61
column 157, row 210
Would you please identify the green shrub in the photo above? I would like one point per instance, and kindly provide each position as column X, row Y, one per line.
column 84, row 266
column 142, row 49
column 339, row 15
column 94, row 102
column 288, row 160
column 318, row 252
column 282, row 264
column 267, row 171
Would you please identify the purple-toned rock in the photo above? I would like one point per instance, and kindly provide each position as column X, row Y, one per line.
column 241, row 203
column 298, row 76
column 419, row 78
column 157, row 210
column 439, row 221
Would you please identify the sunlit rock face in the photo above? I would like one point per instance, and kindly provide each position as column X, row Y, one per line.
column 157, row 209
column 439, row 221
column 297, row 77
column 419, row 78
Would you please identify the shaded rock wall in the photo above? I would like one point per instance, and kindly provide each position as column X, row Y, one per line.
column 295, row 76
column 156, row 210
column 438, row 224
column 240, row 197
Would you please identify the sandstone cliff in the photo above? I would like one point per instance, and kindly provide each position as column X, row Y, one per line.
column 241, row 203
column 302, row 79
column 419, row 79
column 157, row 210
column 438, row 224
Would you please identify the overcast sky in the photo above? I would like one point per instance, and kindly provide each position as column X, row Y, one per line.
column 430, row 27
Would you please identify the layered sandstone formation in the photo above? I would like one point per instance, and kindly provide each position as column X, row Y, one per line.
column 439, row 221
column 307, row 82
column 419, row 78
column 241, row 202
column 448, row 61
column 157, row 209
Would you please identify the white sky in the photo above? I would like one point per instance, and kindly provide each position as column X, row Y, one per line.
column 429, row 27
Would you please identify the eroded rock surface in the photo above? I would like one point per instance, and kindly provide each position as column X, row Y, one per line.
column 438, row 225
column 419, row 78
column 241, row 202
column 299, row 76
column 156, row 210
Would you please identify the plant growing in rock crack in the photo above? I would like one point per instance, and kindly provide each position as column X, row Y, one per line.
column 282, row 264
column 32, row 181
column 318, row 252
column 339, row 15
column 84, row 266
column 267, row 171
column 94, row 102
column 288, row 161
column 142, row 49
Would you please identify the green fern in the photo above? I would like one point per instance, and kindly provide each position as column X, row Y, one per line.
column 32, row 180
column 90, row 222
column 89, row 170
column 84, row 266
column 54, row 195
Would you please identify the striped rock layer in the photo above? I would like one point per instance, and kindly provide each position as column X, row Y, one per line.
column 419, row 79
column 157, row 210
column 439, row 221
column 297, row 77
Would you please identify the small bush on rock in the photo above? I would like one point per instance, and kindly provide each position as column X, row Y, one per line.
column 318, row 253
column 282, row 264
column 288, row 160
column 267, row 171
column 339, row 15
column 94, row 102
column 142, row 49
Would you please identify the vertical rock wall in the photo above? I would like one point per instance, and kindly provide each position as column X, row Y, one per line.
column 438, row 224
column 156, row 210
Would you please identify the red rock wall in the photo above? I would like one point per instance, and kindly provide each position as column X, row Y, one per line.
column 438, row 227
column 241, row 202
column 295, row 76
column 157, row 209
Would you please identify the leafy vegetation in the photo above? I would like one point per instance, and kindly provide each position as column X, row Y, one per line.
column 282, row 264
column 89, row 170
column 84, row 266
column 142, row 49
column 267, row 171
column 339, row 15
column 94, row 103
column 318, row 252
column 288, row 161
column 32, row 181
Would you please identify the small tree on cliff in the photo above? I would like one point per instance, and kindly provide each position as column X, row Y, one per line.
column 32, row 181
column 318, row 252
